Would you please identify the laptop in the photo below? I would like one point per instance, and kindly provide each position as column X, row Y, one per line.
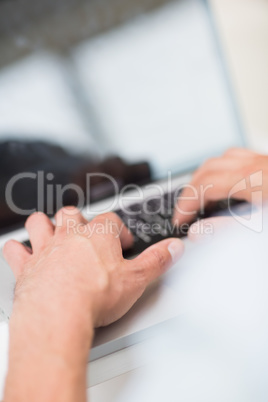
column 157, row 88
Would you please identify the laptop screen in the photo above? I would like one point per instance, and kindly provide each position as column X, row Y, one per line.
column 159, row 90
column 152, row 87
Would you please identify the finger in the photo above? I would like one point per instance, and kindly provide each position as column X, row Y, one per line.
column 155, row 260
column 68, row 218
column 219, row 165
column 40, row 230
column 124, row 234
column 16, row 256
column 208, row 187
column 195, row 196
column 205, row 228
column 107, row 228
column 239, row 152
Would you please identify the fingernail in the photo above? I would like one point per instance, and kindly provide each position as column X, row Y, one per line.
column 176, row 249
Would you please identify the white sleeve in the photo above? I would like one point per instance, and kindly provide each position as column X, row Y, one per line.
column 4, row 341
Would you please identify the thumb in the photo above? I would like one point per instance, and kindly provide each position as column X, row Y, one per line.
column 155, row 260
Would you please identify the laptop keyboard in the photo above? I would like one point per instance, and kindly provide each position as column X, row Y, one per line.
column 150, row 220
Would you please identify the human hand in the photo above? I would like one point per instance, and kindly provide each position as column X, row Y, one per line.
column 77, row 266
column 73, row 280
column 216, row 179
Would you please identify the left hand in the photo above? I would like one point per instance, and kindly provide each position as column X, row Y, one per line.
column 76, row 268
column 74, row 280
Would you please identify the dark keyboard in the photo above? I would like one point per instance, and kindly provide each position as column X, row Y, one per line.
column 150, row 221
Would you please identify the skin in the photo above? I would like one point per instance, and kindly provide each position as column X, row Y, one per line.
column 73, row 281
column 216, row 178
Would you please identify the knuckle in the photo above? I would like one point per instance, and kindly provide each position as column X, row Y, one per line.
column 195, row 175
column 111, row 216
column 104, row 217
column 230, row 151
column 200, row 175
column 141, row 273
column 159, row 258
column 210, row 163
column 103, row 283
column 199, row 178
column 110, row 221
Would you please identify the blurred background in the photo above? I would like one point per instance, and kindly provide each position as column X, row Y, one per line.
column 46, row 68
column 243, row 27
column 168, row 82
column 142, row 79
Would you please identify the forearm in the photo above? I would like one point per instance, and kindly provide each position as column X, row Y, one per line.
column 47, row 362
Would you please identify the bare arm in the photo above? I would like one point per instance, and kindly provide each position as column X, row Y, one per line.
column 73, row 281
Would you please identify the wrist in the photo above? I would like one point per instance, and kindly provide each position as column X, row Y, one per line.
column 43, row 348
column 64, row 332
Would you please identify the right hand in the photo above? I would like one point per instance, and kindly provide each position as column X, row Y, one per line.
column 216, row 179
